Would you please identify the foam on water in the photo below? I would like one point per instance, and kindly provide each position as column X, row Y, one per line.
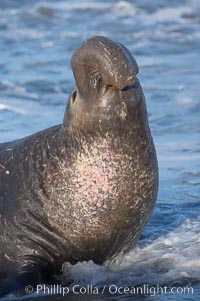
column 4, row 107
column 168, row 259
column 170, row 14
column 186, row 101
column 124, row 9
column 77, row 5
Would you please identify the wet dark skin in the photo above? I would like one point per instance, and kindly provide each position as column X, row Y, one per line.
column 85, row 189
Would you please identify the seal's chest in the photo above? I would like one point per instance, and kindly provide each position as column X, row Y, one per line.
column 98, row 178
column 94, row 192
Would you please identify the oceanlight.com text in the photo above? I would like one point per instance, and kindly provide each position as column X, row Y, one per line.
column 111, row 289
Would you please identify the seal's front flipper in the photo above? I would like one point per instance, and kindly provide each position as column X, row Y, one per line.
column 24, row 281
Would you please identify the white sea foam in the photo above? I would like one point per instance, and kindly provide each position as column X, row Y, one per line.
column 124, row 9
column 61, row 5
column 12, row 87
column 186, row 102
column 4, row 107
column 169, row 258
column 166, row 14
column 166, row 260
column 170, row 13
column 47, row 44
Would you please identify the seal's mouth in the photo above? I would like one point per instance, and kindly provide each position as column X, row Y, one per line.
column 108, row 99
column 126, row 88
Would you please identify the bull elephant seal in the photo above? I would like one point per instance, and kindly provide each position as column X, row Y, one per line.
column 82, row 190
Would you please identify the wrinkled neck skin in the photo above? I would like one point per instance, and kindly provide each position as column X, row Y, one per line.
column 118, row 134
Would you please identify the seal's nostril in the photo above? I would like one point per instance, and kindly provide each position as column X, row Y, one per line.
column 74, row 94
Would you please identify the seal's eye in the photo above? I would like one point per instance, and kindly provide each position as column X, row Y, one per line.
column 96, row 82
column 74, row 94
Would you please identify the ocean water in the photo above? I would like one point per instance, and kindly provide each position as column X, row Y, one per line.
column 37, row 39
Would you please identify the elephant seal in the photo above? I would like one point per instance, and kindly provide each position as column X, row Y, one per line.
column 85, row 189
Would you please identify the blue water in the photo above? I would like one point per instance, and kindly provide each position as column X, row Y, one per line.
column 37, row 39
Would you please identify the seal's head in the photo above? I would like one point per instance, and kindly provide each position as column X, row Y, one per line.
column 107, row 90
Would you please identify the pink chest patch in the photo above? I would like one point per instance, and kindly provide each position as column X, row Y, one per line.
column 96, row 176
